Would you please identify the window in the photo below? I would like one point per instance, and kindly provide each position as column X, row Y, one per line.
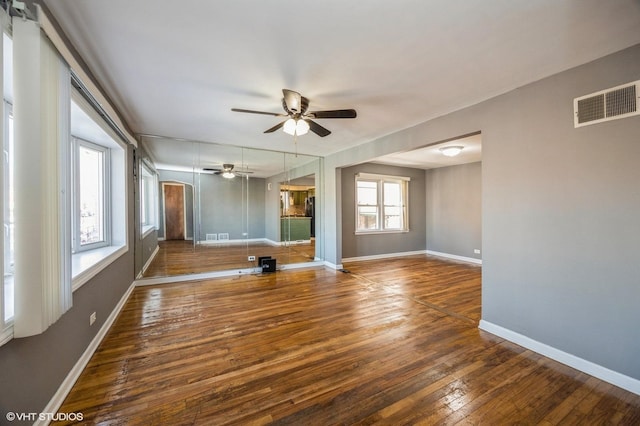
column 148, row 198
column 7, row 177
column 97, row 161
column 90, row 172
column 381, row 203
column 9, row 223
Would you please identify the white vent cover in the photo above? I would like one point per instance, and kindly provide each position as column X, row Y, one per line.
column 610, row 104
column 223, row 236
column 211, row 237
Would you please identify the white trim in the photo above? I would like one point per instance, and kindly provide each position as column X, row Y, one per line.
column 235, row 241
column 98, row 258
column 61, row 46
column 7, row 333
column 383, row 256
column 147, row 229
column 618, row 379
column 376, row 176
column 63, row 390
column 218, row 274
column 288, row 266
column 146, row 265
column 455, row 257
column 194, row 277
column 336, row 266
column 382, row 232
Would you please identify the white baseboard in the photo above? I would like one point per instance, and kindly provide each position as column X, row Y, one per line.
column 595, row 370
column 455, row 257
column 332, row 265
column 236, row 241
column 64, row 389
column 383, row 256
column 194, row 277
column 313, row 264
column 146, row 265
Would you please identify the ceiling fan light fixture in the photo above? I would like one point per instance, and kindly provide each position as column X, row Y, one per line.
column 295, row 127
column 302, row 127
column 228, row 175
column 290, row 127
column 451, row 151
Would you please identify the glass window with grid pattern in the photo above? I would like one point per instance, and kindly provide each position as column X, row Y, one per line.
column 91, row 180
column 380, row 204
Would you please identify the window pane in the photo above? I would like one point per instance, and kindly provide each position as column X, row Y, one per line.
column 143, row 201
column 91, row 181
column 392, row 217
column 367, row 217
column 9, row 226
column 367, row 193
column 392, row 194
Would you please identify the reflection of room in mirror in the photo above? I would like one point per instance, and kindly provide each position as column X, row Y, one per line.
column 269, row 209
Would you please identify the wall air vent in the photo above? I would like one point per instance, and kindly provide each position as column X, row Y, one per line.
column 611, row 104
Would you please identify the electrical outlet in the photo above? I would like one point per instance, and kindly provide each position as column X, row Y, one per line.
column 476, row 251
column 251, row 258
column 92, row 318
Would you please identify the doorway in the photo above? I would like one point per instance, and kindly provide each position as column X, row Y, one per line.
column 174, row 211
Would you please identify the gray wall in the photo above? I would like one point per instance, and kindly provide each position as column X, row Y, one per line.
column 33, row 368
column 233, row 206
column 454, row 210
column 560, row 222
column 561, row 218
column 374, row 244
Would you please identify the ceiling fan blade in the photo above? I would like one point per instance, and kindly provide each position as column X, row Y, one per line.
column 274, row 128
column 317, row 129
column 293, row 101
column 338, row 113
column 275, row 114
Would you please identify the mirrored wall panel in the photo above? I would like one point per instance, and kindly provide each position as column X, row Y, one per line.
column 222, row 208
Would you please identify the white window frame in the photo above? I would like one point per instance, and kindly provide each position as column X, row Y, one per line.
column 90, row 126
column 380, row 205
column 78, row 143
column 148, row 199
column 6, row 325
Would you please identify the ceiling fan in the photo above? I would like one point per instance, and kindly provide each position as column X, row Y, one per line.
column 300, row 120
column 226, row 171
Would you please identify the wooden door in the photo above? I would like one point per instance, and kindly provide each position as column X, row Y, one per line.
column 173, row 211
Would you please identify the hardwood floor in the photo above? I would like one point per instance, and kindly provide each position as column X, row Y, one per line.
column 182, row 258
column 391, row 342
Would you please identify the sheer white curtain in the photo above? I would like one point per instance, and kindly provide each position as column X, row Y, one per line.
column 42, row 198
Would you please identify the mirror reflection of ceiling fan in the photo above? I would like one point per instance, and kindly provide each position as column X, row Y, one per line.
column 299, row 120
column 227, row 171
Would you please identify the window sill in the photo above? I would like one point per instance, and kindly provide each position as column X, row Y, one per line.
column 146, row 230
column 6, row 334
column 386, row 231
column 87, row 264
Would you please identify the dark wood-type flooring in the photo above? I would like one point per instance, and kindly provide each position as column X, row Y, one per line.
column 182, row 258
column 392, row 342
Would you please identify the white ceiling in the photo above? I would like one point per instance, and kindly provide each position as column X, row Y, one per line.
column 177, row 68
column 430, row 157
